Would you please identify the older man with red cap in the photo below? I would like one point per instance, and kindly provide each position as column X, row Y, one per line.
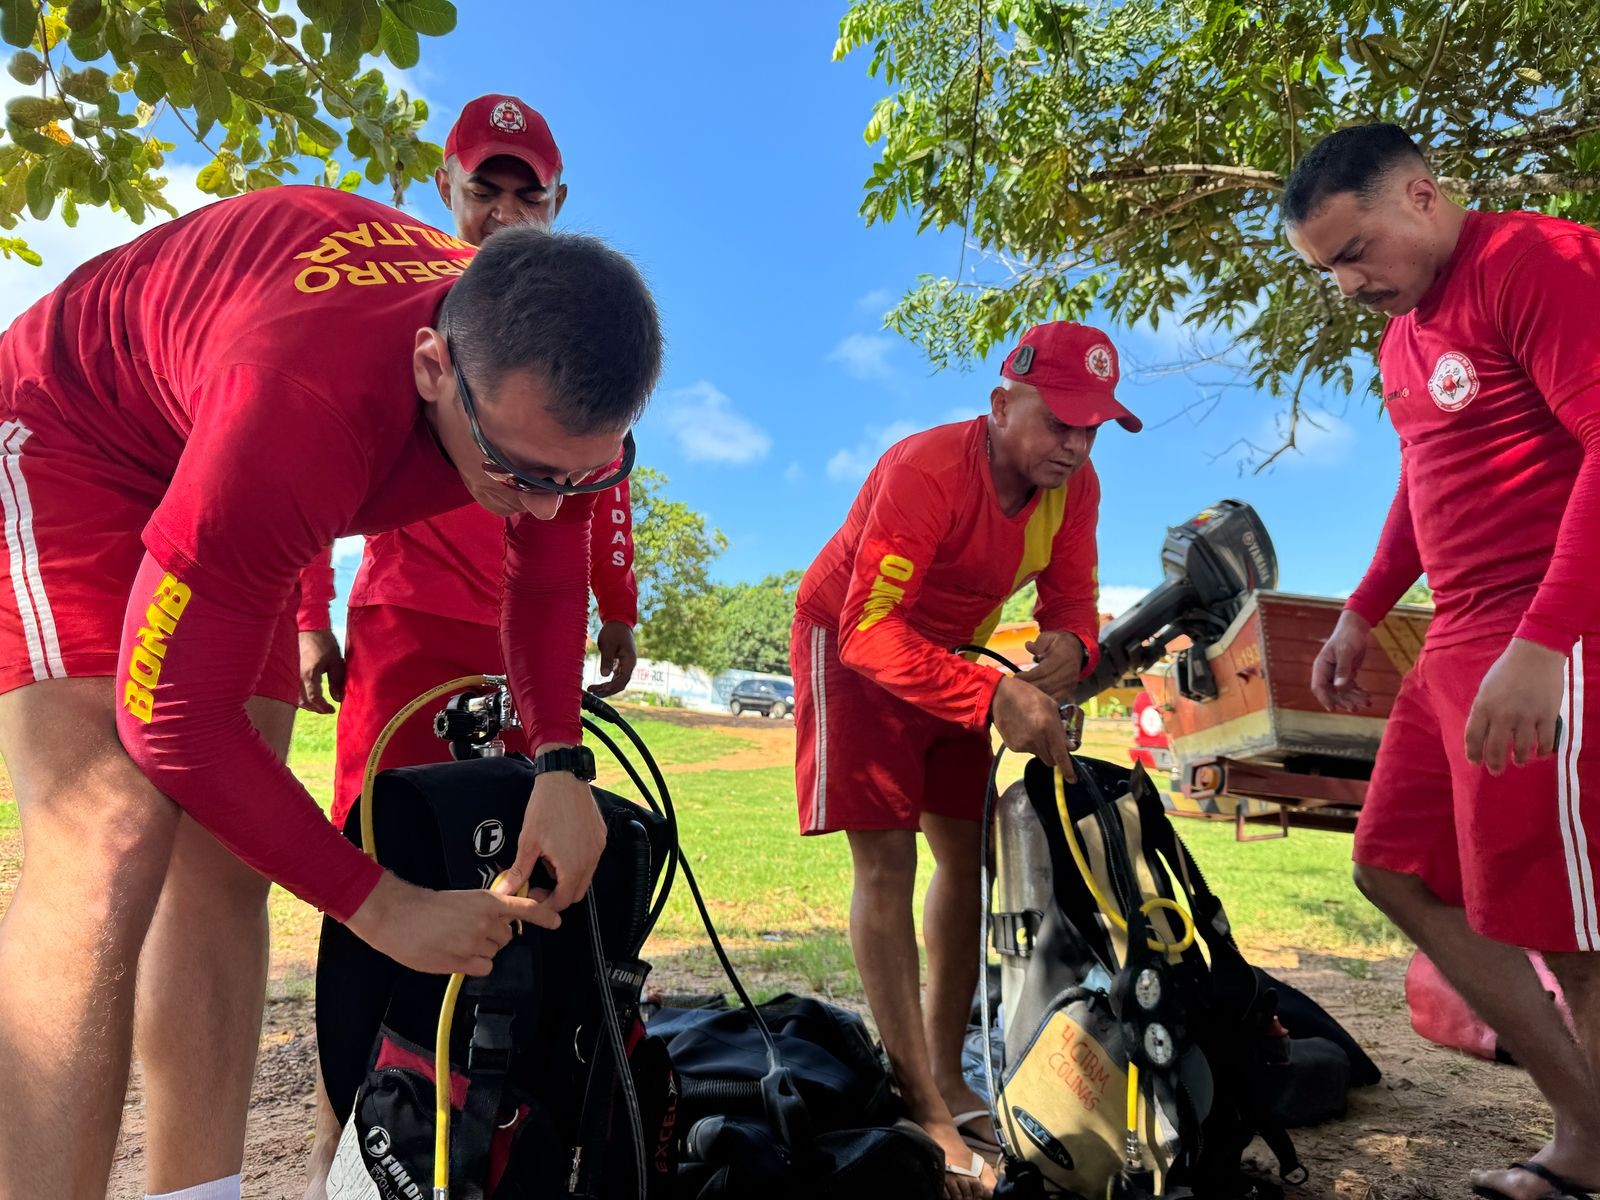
column 893, row 728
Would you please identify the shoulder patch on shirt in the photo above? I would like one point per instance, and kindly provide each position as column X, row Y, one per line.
column 1454, row 381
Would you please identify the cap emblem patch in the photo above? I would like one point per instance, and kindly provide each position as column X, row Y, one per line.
column 1098, row 361
column 507, row 116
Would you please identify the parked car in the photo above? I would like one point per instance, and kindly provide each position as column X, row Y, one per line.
column 770, row 697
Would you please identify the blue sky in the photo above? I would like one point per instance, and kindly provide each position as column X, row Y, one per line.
column 719, row 145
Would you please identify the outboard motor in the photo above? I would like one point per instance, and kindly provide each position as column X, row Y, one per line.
column 1212, row 562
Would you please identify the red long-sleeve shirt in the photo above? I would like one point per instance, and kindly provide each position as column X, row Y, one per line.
column 449, row 566
column 927, row 557
column 1493, row 384
column 256, row 357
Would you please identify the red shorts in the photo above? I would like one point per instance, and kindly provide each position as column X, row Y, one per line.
column 1521, row 852
column 392, row 656
column 866, row 759
column 73, row 521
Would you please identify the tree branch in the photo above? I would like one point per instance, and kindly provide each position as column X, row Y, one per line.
column 1244, row 175
column 1433, row 63
column 310, row 67
column 1533, row 183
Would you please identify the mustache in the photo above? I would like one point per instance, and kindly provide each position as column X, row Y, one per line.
column 1374, row 298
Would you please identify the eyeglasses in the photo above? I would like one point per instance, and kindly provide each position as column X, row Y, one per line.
column 499, row 469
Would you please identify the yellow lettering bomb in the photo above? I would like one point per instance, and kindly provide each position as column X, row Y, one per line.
column 150, row 649
column 893, row 571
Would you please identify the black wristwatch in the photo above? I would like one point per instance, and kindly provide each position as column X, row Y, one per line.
column 576, row 760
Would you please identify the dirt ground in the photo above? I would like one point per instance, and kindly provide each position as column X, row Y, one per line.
column 1412, row 1137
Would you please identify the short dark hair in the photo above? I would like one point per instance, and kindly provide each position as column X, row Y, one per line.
column 1357, row 159
column 566, row 306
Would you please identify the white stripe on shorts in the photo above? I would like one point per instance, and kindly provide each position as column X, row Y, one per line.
column 33, row 606
column 819, row 695
column 1574, row 840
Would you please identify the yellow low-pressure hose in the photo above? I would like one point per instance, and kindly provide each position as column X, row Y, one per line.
column 1111, row 914
column 447, row 1011
column 441, row 1075
column 369, row 843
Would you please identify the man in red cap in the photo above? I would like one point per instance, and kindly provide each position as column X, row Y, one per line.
column 893, row 728
column 425, row 604
column 424, row 608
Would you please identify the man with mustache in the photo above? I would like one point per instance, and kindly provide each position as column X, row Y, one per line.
column 893, row 730
column 1480, row 836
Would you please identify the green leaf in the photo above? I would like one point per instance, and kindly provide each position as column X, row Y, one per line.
column 350, row 182
column 25, row 67
column 41, row 197
column 322, row 135
column 1530, row 75
column 19, row 19
column 21, row 249
column 212, row 99
column 213, row 177
column 90, row 84
column 399, row 42
column 432, row 17
column 148, row 85
column 33, row 113
column 84, row 14
column 69, row 211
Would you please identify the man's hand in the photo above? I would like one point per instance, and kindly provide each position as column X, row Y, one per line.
column 1333, row 674
column 443, row 932
column 1517, row 706
column 1058, row 659
column 563, row 828
column 1029, row 722
column 618, row 657
column 319, row 656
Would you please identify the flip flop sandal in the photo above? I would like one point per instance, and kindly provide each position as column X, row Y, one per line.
column 986, row 1146
column 1561, row 1188
column 973, row 1170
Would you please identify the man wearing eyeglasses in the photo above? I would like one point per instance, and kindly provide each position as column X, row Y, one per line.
column 184, row 424
column 424, row 608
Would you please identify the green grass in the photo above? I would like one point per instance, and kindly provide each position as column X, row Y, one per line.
column 782, row 901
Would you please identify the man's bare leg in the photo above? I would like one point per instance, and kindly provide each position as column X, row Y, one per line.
column 198, row 1020
column 324, row 1145
column 96, row 839
column 950, row 933
column 884, row 939
column 1501, row 986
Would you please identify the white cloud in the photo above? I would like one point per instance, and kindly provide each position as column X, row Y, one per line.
column 64, row 250
column 707, row 429
column 1118, row 598
column 864, row 355
column 794, row 472
column 852, row 464
column 1321, row 439
column 876, row 301
column 348, row 549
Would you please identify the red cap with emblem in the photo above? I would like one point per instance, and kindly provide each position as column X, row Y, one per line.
column 1075, row 369
column 494, row 125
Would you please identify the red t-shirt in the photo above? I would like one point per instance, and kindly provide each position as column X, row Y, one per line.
column 1493, row 384
column 927, row 557
column 449, row 566
column 256, row 356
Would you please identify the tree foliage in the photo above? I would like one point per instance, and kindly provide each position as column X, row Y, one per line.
column 257, row 87
column 673, row 551
column 753, row 622
column 1132, row 154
